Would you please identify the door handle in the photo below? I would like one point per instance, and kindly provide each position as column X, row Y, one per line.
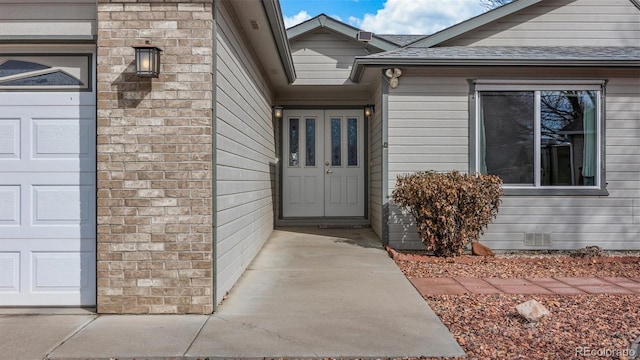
column 329, row 171
column 326, row 163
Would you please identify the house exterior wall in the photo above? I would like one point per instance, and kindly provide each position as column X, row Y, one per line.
column 48, row 18
column 429, row 130
column 562, row 23
column 246, row 152
column 154, row 160
column 323, row 58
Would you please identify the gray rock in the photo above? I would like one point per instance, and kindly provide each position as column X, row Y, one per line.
column 532, row 310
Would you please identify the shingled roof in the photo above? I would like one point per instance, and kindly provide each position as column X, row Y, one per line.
column 502, row 56
column 576, row 53
column 401, row 40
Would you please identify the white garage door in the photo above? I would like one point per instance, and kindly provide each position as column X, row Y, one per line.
column 47, row 181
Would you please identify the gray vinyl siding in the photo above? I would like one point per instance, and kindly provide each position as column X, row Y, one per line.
column 562, row 23
column 245, row 154
column 50, row 19
column 375, row 164
column 324, row 58
column 428, row 130
column 424, row 135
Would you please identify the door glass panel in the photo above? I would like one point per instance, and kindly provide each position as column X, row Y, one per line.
column 294, row 138
column 352, row 142
column 310, row 148
column 336, row 137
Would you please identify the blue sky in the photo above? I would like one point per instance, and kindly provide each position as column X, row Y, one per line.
column 385, row 16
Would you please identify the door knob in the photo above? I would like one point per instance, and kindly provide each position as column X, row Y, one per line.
column 326, row 163
column 329, row 171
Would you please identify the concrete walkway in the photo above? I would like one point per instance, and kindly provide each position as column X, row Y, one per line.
column 309, row 293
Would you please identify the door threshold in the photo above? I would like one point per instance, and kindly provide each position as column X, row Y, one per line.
column 326, row 223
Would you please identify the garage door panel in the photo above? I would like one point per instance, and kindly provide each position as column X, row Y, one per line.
column 9, row 271
column 9, row 205
column 61, row 205
column 47, row 271
column 47, row 199
column 62, row 138
column 53, row 205
column 58, row 271
column 9, row 138
column 48, row 139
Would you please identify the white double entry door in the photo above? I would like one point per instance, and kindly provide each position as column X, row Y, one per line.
column 323, row 163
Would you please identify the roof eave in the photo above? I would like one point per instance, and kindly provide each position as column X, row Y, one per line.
column 323, row 21
column 274, row 16
column 360, row 64
column 473, row 23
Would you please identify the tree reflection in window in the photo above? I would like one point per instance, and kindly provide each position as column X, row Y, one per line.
column 567, row 120
column 310, row 142
column 293, row 141
column 568, row 137
column 352, row 142
column 336, row 140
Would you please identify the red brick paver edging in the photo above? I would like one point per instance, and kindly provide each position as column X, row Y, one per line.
column 520, row 286
column 528, row 286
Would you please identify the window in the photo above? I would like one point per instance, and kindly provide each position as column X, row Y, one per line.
column 54, row 72
column 352, row 141
column 294, row 141
column 311, row 142
column 336, row 142
column 537, row 136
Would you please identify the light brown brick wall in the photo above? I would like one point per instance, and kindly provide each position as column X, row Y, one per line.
column 154, row 160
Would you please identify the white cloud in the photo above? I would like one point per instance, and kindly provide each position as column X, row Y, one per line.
column 417, row 16
column 296, row 19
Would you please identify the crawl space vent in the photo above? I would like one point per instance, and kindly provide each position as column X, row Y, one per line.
column 537, row 239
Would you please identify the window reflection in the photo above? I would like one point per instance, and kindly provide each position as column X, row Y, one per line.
column 293, row 141
column 310, row 142
column 568, row 137
column 336, row 140
column 352, row 142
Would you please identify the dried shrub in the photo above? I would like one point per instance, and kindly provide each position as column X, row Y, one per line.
column 451, row 209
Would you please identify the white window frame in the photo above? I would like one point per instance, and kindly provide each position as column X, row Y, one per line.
column 537, row 87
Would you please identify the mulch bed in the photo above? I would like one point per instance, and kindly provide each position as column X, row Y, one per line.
column 580, row 327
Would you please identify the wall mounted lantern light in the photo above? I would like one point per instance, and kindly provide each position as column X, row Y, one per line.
column 369, row 110
column 147, row 60
column 277, row 112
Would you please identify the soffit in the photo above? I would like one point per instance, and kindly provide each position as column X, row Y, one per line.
column 257, row 28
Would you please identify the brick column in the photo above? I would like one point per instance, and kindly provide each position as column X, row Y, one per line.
column 154, row 159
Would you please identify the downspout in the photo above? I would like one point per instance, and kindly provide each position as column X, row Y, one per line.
column 214, row 160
